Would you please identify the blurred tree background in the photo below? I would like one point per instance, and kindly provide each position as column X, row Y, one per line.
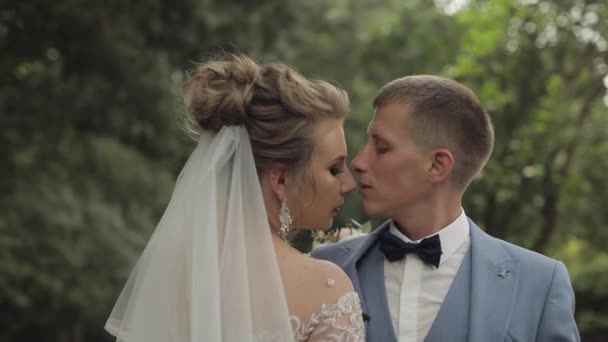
column 90, row 141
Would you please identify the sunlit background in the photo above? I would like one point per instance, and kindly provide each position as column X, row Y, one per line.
column 90, row 143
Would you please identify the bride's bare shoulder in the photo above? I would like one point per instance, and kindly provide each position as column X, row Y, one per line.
column 328, row 309
column 311, row 283
column 335, row 276
column 327, row 280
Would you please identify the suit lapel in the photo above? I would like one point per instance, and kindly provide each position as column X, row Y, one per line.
column 365, row 267
column 494, row 277
column 451, row 323
column 371, row 270
column 481, row 294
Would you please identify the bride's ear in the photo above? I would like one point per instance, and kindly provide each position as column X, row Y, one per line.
column 279, row 179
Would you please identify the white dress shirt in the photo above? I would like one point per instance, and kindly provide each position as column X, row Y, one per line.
column 415, row 290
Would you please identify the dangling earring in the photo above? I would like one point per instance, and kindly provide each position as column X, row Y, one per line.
column 285, row 219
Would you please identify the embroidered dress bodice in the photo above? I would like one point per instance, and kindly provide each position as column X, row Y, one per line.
column 339, row 322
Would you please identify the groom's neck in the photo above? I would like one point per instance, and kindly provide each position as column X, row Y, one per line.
column 426, row 219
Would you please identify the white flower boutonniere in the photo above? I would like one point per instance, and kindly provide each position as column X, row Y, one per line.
column 350, row 231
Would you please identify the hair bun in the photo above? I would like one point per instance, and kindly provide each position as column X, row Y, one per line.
column 218, row 93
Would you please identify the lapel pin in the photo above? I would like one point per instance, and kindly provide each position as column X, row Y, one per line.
column 503, row 273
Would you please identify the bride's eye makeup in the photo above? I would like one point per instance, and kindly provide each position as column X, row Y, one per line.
column 336, row 170
column 338, row 166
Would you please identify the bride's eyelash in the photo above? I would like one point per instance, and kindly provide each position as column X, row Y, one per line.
column 335, row 170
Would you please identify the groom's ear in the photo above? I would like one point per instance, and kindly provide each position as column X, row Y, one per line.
column 440, row 166
column 279, row 178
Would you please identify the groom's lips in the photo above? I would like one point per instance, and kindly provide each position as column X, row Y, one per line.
column 364, row 186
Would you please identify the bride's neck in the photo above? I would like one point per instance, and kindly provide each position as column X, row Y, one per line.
column 281, row 246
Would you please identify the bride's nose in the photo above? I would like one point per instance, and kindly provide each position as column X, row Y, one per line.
column 348, row 184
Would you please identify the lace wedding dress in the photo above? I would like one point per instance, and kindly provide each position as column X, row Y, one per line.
column 339, row 322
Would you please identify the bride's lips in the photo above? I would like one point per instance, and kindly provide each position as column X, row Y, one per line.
column 337, row 209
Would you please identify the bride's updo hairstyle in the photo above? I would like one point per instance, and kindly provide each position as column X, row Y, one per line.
column 278, row 106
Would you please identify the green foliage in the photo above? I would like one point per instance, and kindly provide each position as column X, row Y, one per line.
column 541, row 70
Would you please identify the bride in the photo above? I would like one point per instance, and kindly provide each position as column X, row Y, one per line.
column 270, row 158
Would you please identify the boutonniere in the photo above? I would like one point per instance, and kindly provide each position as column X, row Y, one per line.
column 352, row 230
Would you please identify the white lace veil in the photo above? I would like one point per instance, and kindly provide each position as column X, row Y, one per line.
column 209, row 271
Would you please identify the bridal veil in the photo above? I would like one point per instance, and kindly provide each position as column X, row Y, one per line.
column 209, row 271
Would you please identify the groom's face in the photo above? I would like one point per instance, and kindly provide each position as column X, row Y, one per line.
column 390, row 166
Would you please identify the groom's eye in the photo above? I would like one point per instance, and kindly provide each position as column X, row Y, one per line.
column 381, row 149
column 380, row 146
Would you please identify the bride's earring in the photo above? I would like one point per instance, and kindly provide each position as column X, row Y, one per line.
column 285, row 219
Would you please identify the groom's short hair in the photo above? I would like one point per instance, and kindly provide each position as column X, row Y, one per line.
column 444, row 113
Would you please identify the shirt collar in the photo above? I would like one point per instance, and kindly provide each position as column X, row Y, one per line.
column 451, row 236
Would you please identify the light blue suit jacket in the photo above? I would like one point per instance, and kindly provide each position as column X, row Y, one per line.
column 501, row 292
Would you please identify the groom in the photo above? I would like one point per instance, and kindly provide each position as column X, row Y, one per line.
column 429, row 273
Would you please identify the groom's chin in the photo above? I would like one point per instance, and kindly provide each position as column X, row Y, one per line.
column 371, row 210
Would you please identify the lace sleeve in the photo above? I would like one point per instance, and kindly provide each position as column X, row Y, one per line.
column 340, row 322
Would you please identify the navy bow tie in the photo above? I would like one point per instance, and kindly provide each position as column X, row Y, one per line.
column 428, row 250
